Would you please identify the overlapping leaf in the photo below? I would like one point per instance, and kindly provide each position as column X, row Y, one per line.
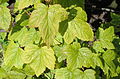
column 21, row 4
column 60, row 53
column 39, row 58
column 78, row 57
column 13, row 56
column 109, row 56
column 11, row 74
column 24, row 37
column 47, row 19
column 65, row 73
column 106, row 37
column 78, row 27
column 5, row 18
column 3, row 73
column 98, row 46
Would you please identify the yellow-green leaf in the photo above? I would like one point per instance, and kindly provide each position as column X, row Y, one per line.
column 24, row 36
column 13, row 56
column 39, row 58
column 47, row 19
column 106, row 37
column 5, row 18
column 65, row 73
column 21, row 4
column 80, row 29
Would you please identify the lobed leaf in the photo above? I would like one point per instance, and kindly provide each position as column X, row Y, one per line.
column 39, row 58
column 47, row 19
column 13, row 56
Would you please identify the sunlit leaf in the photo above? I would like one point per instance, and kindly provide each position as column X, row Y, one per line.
column 39, row 58
column 21, row 4
column 5, row 18
column 16, row 75
column 13, row 56
column 106, row 37
column 65, row 73
column 47, row 19
column 109, row 56
column 24, row 36
column 3, row 73
column 78, row 57
column 80, row 29
column 98, row 46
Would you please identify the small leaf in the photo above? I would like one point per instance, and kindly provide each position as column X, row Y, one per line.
column 107, row 44
column 98, row 46
column 60, row 53
column 39, row 58
column 28, row 70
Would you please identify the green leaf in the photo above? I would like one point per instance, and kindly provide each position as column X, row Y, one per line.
column 39, row 58
column 60, row 52
column 50, row 75
column 47, row 19
column 78, row 57
column 115, row 19
column 65, row 73
column 98, row 46
column 3, row 1
column 11, row 74
column 24, row 37
column 13, row 56
column 16, row 75
column 96, row 61
column 89, row 74
column 21, row 4
column 58, row 39
column 5, row 18
column 81, row 14
column 18, row 35
column 109, row 56
column 28, row 70
column 107, row 34
column 80, row 29
column 3, row 35
column 107, row 44
column 106, row 37
column 3, row 73
column 24, row 23
column 118, row 69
